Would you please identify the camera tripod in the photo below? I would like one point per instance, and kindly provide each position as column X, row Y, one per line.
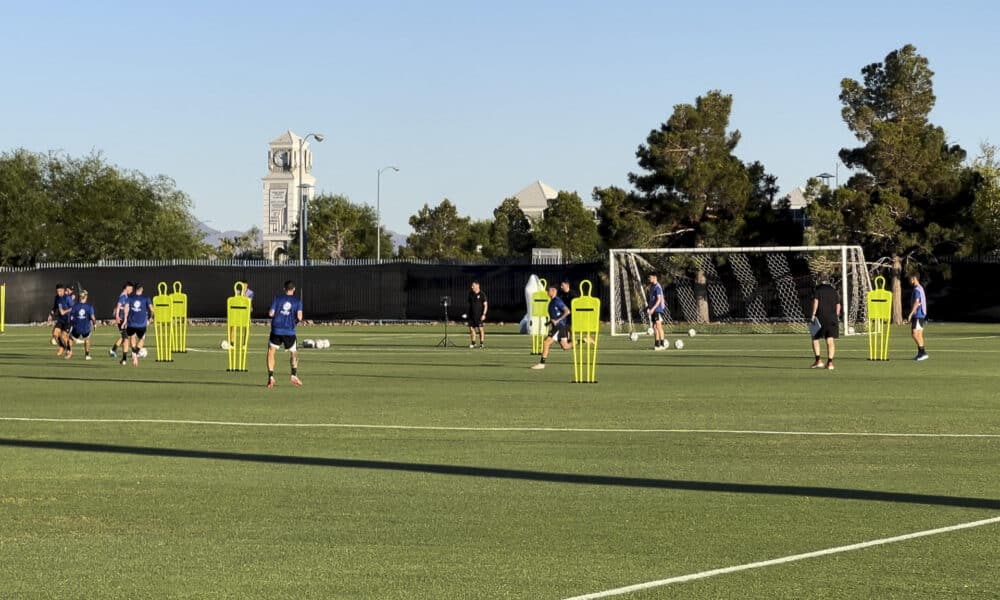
column 445, row 342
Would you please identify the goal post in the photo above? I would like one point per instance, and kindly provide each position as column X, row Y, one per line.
column 736, row 289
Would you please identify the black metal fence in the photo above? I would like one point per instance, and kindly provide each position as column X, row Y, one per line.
column 389, row 291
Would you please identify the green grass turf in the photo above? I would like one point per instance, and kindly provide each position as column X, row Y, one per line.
column 202, row 510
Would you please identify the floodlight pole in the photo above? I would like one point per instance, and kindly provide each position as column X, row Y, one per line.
column 378, row 212
column 303, row 214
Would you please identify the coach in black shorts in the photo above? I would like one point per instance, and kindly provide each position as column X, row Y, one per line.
column 826, row 322
column 478, row 305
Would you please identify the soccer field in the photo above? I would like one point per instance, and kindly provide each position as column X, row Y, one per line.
column 405, row 470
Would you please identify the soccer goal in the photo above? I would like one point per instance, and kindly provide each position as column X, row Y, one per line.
column 736, row 290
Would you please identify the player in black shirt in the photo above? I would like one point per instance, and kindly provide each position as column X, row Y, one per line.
column 826, row 321
column 478, row 305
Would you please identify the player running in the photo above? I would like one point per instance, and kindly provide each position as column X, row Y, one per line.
column 83, row 322
column 559, row 315
column 119, row 314
column 54, row 315
column 138, row 314
column 285, row 314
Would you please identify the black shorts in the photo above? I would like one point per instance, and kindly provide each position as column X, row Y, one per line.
column 827, row 330
column 656, row 317
column 80, row 336
column 277, row 341
column 918, row 323
column 138, row 332
column 559, row 332
column 475, row 321
column 63, row 325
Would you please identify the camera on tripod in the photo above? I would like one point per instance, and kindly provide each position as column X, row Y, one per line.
column 445, row 342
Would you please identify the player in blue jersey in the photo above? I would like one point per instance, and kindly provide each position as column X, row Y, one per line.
column 656, row 308
column 83, row 320
column 119, row 314
column 54, row 315
column 138, row 314
column 64, row 318
column 559, row 315
column 285, row 314
column 918, row 316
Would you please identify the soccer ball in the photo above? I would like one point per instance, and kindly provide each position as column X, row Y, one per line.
column 649, row 331
column 850, row 331
column 679, row 344
column 142, row 353
column 666, row 343
column 322, row 343
column 634, row 336
column 465, row 316
column 692, row 332
column 224, row 345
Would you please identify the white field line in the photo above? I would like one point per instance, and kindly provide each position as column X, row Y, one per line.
column 786, row 559
column 501, row 429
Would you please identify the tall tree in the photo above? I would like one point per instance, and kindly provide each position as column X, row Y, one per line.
column 339, row 228
column 908, row 200
column 510, row 231
column 986, row 206
column 693, row 187
column 621, row 220
column 25, row 210
column 569, row 225
column 438, row 232
column 87, row 210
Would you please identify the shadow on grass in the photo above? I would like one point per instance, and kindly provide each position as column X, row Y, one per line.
column 517, row 474
column 129, row 380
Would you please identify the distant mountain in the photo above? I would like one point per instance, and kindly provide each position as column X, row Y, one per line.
column 212, row 236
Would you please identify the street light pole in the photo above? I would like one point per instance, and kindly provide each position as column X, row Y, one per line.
column 303, row 214
column 378, row 212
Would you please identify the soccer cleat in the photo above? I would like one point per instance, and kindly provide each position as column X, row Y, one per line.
column 88, row 357
column 270, row 382
column 69, row 355
column 830, row 366
column 659, row 348
column 295, row 381
column 924, row 356
column 53, row 341
column 538, row 366
column 482, row 347
column 473, row 345
column 112, row 354
column 817, row 365
column 60, row 350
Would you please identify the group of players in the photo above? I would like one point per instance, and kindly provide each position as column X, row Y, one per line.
column 560, row 316
column 74, row 321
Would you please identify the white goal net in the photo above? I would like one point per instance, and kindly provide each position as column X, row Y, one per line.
column 762, row 290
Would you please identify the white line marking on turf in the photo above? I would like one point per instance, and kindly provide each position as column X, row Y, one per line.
column 778, row 561
column 504, row 429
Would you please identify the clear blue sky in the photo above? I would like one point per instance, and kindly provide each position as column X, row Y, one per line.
column 471, row 100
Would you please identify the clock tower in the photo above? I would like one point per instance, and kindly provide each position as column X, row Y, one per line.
column 288, row 182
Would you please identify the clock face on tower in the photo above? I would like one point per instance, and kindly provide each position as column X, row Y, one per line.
column 282, row 159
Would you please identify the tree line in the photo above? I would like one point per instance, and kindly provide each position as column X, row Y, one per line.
column 913, row 197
